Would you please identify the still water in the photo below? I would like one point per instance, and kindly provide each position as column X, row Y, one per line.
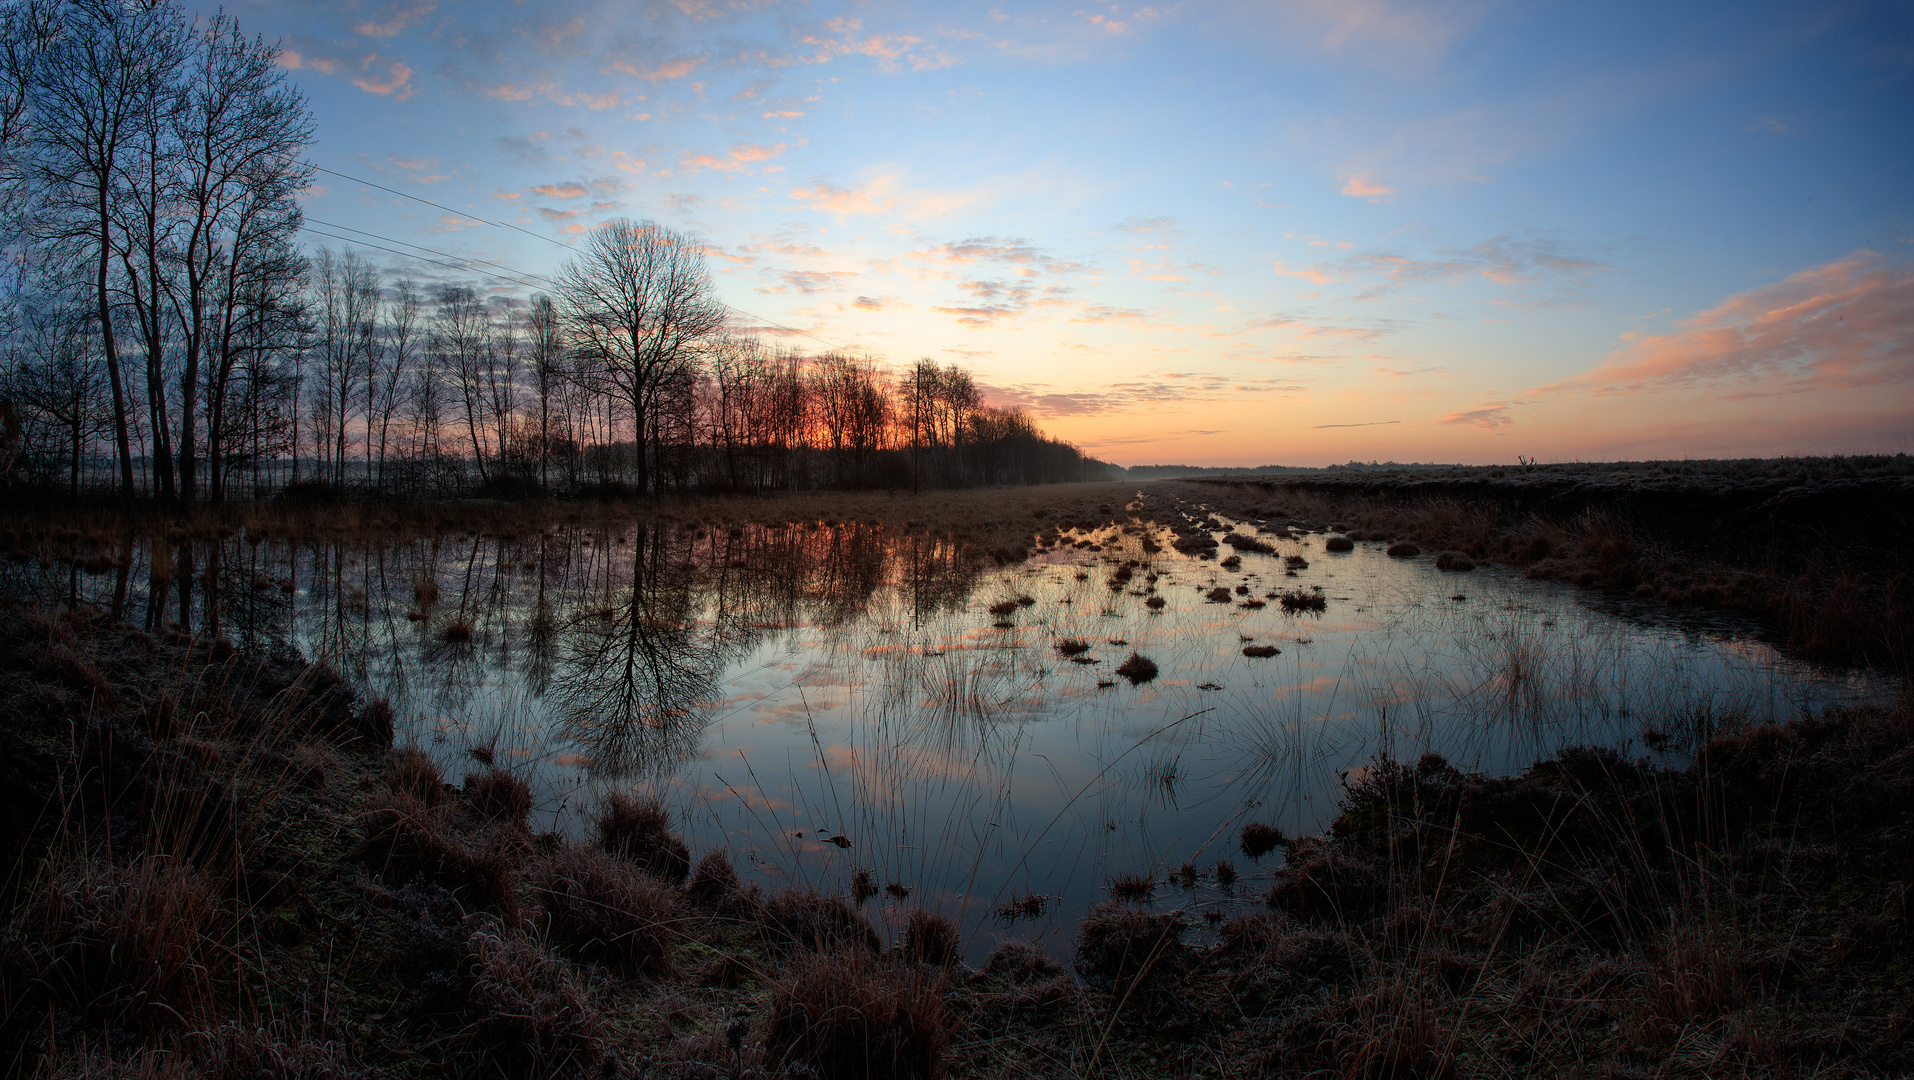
column 824, row 698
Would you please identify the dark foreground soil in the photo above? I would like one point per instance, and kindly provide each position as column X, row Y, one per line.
column 219, row 866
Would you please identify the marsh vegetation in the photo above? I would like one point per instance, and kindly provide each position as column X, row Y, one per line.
column 760, row 770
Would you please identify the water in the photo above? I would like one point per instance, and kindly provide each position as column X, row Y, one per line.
column 825, row 698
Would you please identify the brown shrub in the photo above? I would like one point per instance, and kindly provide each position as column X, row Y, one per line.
column 497, row 795
column 1258, row 839
column 146, row 941
column 1021, row 961
column 528, row 1017
column 930, row 938
column 406, row 840
column 640, row 830
column 715, row 884
column 807, row 918
column 1133, row 887
column 1139, row 669
column 411, row 771
column 1121, row 947
column 1303, row 600
column 602, row 909
column 846, row 1015
column 1384, row 1033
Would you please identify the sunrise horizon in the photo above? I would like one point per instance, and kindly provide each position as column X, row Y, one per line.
column 1217, row 234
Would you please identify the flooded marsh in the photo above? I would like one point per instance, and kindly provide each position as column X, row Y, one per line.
column 873, row 710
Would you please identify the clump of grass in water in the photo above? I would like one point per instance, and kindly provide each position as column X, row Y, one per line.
column 1139, row 669
column 1258, row 839
column 1339, row 544
column 1133, row 887
column 1258, row 651
column 1301, row 600
column 1454, row 561
column 1217, row 595
column 1073, row 646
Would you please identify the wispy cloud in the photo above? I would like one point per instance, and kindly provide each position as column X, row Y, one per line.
column 1841, row 325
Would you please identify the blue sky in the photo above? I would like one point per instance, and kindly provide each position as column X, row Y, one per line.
column 1227, row 233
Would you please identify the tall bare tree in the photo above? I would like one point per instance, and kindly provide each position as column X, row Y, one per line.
column 640, row 304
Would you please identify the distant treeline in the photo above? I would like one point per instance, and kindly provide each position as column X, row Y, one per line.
column 166, row 335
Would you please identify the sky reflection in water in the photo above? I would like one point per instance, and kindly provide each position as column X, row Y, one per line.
column 784, row 687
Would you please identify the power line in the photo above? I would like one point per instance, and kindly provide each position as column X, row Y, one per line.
column 515, row 228
column 435, row 251
column 442, row 206
column 409, row 255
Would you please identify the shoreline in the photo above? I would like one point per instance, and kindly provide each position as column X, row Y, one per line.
column 263, row 850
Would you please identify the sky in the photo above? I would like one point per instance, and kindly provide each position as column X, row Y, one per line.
column 1233, row 233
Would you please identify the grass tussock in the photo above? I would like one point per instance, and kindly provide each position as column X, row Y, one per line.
column 849, row 1015
column 601, row 909
column 1137, row 668
column 638, row 828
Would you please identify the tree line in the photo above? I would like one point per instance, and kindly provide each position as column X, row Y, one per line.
column 166, row 334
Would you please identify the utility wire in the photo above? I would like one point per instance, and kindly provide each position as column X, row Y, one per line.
column 503, row 225
column 435, row 251
column 442, row 206
column 410, row 255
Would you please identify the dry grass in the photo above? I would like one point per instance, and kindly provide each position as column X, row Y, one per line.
column 638, row 828
column 602, row 909
column 498, row 796
column 147, row 943
column 848, row 1015
column 1138, row 668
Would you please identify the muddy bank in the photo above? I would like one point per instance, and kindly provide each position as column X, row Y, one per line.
column 218, row 866
column 1815, row 548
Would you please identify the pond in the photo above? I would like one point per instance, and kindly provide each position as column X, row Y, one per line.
column 825, row 698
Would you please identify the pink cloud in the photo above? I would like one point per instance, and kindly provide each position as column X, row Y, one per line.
column 1841, row 325
column 395, row 19
column 1365, row 186
column 740, row 156
column 567, row 190
column 396, row 82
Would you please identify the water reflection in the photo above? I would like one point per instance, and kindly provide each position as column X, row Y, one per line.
column 787, row 686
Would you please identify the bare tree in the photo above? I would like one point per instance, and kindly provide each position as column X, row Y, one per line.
column 640, row 304
column 237, row 135
column 403, row 310
column 91, row 93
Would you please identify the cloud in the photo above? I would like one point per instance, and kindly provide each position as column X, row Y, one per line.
column 809, row 281
column 884, row 194
column 1365, row 186
column 1486, row 417
column 385, row 77
column 567, row 190
column 872, row 303
column 293, row 60
column 1370, row 423
column 419, row 170
column 739, row 157
column 394, row 19
column 1844, row 324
